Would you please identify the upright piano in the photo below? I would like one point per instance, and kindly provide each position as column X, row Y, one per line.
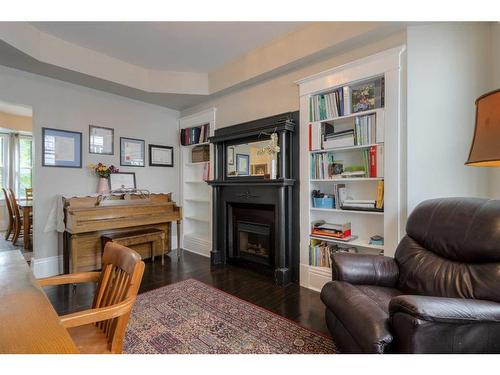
column 88, row 219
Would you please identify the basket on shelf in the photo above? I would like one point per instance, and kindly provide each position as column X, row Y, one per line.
column 200, row 154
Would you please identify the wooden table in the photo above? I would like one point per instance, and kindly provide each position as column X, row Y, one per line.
column 26, row 206
column 28, row 322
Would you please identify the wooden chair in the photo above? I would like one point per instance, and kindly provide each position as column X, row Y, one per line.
column 29, row 193
column 101, row 329
column 18, row 220
column 10, row 227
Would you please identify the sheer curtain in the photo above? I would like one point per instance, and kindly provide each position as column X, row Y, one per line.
column 13, row 173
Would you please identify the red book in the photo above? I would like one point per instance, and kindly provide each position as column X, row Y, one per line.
column 373, row 161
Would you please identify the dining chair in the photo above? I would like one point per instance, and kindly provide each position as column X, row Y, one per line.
column 28, row 193
column 101, row 329
column 10, row 226
column 16, row 214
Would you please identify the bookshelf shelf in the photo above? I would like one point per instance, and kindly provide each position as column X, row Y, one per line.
column 353, row 179
column 355, row 242
column 200, row 219
column 189, row 164
column 350, row 148
column 355, row 212
column 372, row 139
column 197, row 144
column 197, row 200
column 351, row 115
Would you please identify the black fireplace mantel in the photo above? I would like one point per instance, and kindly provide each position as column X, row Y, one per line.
column 282, row 194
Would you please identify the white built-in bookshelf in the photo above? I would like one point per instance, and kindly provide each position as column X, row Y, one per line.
column 326, row 104
column 196, row 194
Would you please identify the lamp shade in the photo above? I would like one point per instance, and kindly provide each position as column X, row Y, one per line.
column 485, row 148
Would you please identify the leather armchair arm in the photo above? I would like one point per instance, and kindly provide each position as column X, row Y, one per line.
column 446, row 310
column 422, row 324
column 365, row 269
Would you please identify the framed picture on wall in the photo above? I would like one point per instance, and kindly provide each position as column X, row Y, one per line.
column 122, row 180
column 230, row 155
column 132, row 152
column 101, row 140
column 161, row 156
column 242, row 164
column 61, row 148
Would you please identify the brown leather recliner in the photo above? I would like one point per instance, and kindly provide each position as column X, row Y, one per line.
column 440, row 294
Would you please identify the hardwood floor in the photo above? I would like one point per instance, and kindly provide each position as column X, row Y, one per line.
column 293, row 302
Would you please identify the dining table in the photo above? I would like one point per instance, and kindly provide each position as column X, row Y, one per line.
column 26, row 207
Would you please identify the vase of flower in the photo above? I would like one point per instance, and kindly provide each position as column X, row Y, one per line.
column 102, row 171
column 102, row 185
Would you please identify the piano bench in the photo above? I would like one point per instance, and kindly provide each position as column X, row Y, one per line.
column 152, row 236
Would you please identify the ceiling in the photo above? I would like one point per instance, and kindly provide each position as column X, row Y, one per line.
column 15, row 109
column 174, row 46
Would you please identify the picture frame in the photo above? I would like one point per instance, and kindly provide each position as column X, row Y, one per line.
column 132, row 152
column 161, row 156
column 242, row 164
column 61, row 148
column 101, row 140
column 230, row 155
column 259, row 169
column 122, row 180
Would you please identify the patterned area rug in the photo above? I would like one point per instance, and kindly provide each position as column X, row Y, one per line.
column 191, row 317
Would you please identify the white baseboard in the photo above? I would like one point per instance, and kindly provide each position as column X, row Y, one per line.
column 314, row 277
column 45, row 267
column 197, row 252
column 196, row 245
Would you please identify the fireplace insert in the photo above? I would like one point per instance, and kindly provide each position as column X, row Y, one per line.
column 252, row 236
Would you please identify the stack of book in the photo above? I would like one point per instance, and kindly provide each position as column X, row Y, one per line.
column 358, row 204
column 322, row 166
column 337, row 134
column 192, row 136
column 320, row 252
column 330, row 105
column 365, row 129
column 341, row 232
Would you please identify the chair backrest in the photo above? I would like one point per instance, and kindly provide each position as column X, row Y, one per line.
column 13, row 202
column 29, row 193
column 452, row 249
column 8, row 203
column 121, row 275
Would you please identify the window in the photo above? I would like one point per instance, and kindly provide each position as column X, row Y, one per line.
column 25, row 171
column 16, row 162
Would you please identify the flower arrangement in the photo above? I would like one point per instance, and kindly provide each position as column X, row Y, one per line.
column 103, row 171
column 272, row 148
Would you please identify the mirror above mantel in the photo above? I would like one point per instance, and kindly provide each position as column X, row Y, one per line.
column 248, row 159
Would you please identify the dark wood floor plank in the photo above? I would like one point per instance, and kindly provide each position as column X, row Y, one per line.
column 292, row 302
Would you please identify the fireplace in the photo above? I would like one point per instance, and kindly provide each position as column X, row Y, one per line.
column 255, row 200
column 252, row 236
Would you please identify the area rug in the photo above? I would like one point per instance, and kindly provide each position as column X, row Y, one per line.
column 190, row 317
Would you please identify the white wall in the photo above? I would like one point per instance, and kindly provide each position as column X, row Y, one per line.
column 495, row 84
column 448, row 68
column 65, row 106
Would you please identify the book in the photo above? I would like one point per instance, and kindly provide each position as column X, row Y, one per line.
column 376, row 161
column 315, row 136
column 323, row 228
column 327, row 105
column 379, row 202
column 340, row 195
column 345, row 139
